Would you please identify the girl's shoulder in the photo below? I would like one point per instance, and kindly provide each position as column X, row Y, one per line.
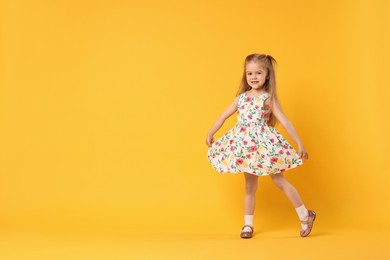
column 243, row 94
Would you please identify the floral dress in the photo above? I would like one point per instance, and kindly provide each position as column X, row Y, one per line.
column 251, row 145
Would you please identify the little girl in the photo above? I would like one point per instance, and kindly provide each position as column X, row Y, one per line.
column 254, row 146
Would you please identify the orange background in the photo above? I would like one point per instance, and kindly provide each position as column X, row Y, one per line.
column 105, row 107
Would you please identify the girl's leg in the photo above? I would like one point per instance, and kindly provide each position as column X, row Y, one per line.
column 251, row 184
column 293, row 195
column 290, row 191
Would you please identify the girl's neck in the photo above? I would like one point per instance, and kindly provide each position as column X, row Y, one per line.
column 257, row 91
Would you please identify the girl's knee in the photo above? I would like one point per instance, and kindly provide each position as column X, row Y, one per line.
column 251, row 183
column 251, row 188
column 279, row 180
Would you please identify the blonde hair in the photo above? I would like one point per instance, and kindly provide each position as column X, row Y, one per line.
column 269, row 86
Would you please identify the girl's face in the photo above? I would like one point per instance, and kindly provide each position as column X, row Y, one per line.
column 256, row 74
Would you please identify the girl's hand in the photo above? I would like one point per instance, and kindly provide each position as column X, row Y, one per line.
column 302, row 152
column 209, row 140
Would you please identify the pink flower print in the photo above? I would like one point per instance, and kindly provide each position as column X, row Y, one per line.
column 253, row 140
column 260, row 166
column 231, row 141
column 262, row 128
column 248, row 99
column 245, row 142
column 291, row 147
column 250, row 116
column 272, row 140
column 223, row 158
column 239, row 161
column 288, row 153
column 285, row 146
column 253, row 148
column 262, row 156
column 274, row 159
column 281, row 152
column 222, row 150
column 243, row 129
column 248, row 156
column 231, row 148
column 256, row 106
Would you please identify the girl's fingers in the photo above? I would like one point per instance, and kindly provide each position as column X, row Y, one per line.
column 209, row 141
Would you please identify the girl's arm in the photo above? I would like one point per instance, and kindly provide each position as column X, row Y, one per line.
column 290, row 129
column 220, row 120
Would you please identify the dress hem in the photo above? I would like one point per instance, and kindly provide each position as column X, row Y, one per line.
column 267, row 174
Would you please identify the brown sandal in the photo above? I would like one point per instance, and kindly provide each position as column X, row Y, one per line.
column 247, row 234
column 309, row 222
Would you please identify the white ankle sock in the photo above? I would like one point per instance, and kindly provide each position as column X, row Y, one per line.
column 303, row 213
column 248, row 219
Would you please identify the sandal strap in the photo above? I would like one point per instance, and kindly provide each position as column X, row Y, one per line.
column 247, row 226
column 309, row 218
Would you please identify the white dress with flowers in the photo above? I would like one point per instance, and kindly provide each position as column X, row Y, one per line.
column 251, row 145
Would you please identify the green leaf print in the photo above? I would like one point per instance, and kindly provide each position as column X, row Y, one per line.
column 240, row 154
column 272, row 153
